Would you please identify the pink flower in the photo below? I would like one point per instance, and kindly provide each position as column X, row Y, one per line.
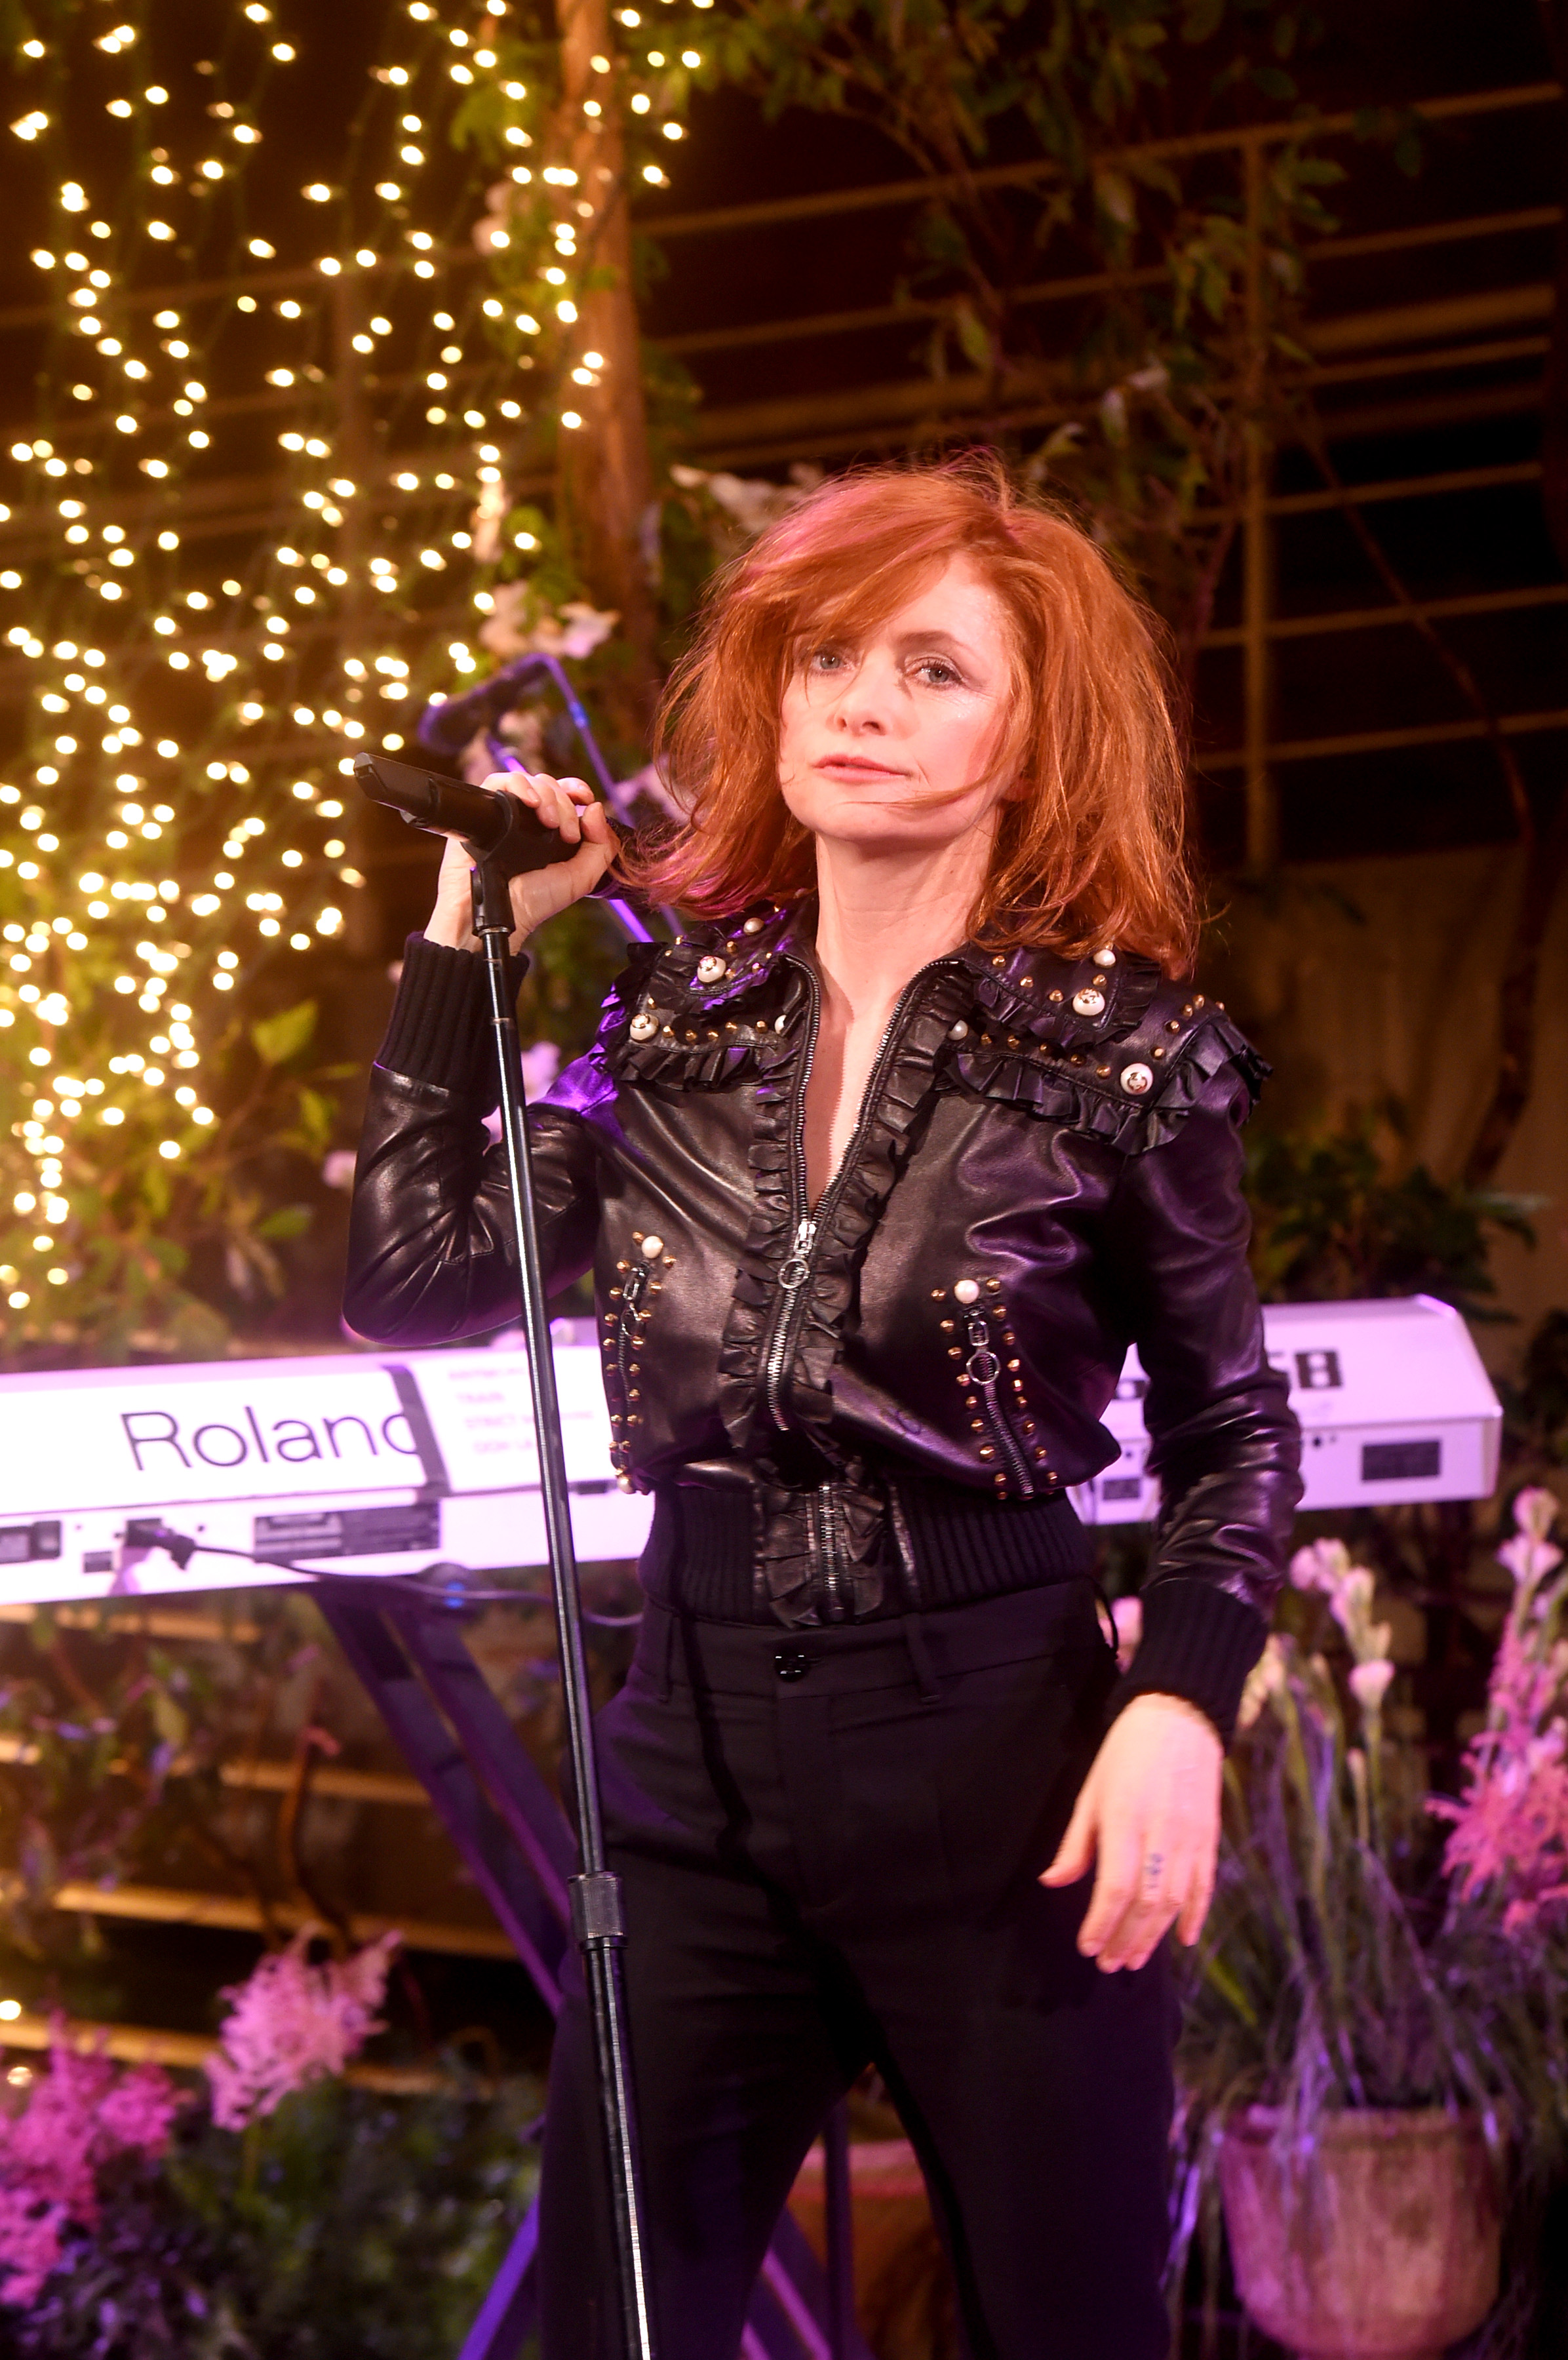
column 1369, row 1682
column 83, row 2112
column 294, row 2023
column 1511, row 1823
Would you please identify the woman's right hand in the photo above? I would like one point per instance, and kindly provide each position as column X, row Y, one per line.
column 565, row 805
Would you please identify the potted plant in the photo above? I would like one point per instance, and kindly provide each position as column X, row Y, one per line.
column 1373, row 2053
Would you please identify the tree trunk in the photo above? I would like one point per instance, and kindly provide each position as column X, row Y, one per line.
column 605, row 482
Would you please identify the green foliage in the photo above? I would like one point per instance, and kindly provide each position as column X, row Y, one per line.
column 1535, row 1405
column 1187, row 352
column 1335, row 1216
column 114, row 1746
column 278, row 1040
column 346, row 2226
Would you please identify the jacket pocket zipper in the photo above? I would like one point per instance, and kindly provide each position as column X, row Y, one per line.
column 982, row 1369
column 628, row 1333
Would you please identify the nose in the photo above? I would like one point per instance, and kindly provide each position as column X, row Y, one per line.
column 865, row 701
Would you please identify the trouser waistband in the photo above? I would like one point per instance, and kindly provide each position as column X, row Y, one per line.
column 754, row 1659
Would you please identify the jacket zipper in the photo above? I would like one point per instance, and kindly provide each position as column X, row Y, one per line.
column 982, row 1369
column 797, row 1267
column 823, row 1547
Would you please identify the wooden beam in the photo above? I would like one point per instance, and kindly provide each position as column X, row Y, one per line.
column 1370, row 618
column 161, row 1905
column 140, row 2044
column 1385, row 741
column 1262, row 823
column 117, row 1615
column 996, row 176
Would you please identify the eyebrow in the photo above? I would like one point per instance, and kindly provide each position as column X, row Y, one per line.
column 940, row 638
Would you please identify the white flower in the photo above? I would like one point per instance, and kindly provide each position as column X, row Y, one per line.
column 1266, row 1679
column 1323, row 1566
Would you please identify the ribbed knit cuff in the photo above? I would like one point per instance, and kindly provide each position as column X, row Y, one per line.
column 1199, row 1643
column 439, row 1030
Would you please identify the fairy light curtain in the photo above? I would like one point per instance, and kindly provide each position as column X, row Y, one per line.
column 171, row 822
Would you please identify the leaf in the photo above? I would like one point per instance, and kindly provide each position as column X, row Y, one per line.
column 278, row 1038
column 1203, row 20
column 316, row 1112
column 286, row 1221
column 1220, row 1975
column 1113, row 195
column 170, row 1719
column 972, row 337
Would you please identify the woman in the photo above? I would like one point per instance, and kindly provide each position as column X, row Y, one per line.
column 879, row 1170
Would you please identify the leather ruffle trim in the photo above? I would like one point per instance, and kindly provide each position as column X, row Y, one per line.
column 848, row 1214
column 1056, row 1092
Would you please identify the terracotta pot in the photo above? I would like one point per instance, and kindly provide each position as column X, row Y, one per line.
column 1380, row 2245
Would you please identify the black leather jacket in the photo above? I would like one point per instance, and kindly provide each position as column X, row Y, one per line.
column 1046, row 1168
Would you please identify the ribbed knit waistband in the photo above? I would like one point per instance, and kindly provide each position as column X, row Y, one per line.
column 963, row 1546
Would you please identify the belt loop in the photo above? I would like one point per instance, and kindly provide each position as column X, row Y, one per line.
column 920, row 1658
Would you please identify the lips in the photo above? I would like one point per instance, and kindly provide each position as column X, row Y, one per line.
column 852, row 766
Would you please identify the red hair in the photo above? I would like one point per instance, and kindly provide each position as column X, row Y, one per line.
column 1092, row 850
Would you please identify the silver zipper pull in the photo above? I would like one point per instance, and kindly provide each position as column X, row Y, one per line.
column 797, row 1267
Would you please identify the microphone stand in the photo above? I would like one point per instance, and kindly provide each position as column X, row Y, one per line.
column 598, row 1922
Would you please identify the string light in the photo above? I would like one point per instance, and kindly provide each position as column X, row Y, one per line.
column 477, row 348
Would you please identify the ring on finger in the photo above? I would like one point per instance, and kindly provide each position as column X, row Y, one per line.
column 1153, row 1870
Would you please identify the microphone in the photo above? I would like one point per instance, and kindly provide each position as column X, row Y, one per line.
column 492, row 826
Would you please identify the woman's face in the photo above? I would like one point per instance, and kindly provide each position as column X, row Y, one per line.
column 872, row 734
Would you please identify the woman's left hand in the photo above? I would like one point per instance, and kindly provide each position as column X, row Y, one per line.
column 1150, row 1815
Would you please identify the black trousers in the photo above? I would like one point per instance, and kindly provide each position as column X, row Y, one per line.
column 829, row 1843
